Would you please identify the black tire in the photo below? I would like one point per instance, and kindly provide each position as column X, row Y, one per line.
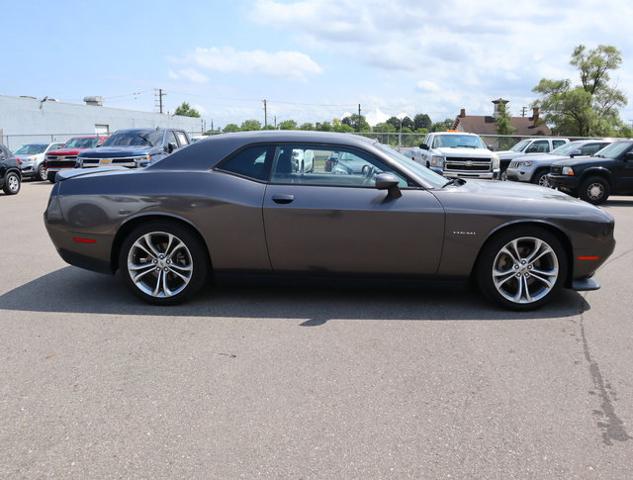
column 540, row 178
column 199, row 258
column 484, row 267
column 50, row 176
column 12, row 183
column 41, row 173
column 595, row 190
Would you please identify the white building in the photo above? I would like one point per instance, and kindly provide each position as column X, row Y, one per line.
column 27, row 119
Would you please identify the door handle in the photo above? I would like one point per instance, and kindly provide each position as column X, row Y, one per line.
column 283, row 199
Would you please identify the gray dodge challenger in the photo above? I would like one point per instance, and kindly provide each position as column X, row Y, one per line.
column 249, row 203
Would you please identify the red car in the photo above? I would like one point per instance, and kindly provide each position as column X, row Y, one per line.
column 66, row 157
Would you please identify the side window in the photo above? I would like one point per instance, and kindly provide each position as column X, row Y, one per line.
column 558, row 143
column 182, row 138
column 538, row 146
column 591, row 148
column 171, row 138
column 327, row 166
column 251, row 162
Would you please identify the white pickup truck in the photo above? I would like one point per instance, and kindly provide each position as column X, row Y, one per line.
column 458, row 154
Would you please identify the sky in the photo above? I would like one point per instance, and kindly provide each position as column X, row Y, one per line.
column 312, row 60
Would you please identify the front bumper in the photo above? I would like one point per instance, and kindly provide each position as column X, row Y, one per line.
column 519, row 175
column 463, row 174
column 563, row 182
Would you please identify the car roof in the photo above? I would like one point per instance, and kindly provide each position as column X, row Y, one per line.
column 201, row 154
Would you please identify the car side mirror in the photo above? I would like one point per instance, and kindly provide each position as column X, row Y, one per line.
column 490, row 147
column 388, row 181
column 575, row 153
column 170, row 147
column 424, row 146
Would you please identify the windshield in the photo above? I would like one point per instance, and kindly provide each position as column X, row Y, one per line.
column 437, row 181
column 140, row 138
column 458, row 141
column 614, row 150
column 81, row 142
column 566, row 149
column 31, row 149
column 519, row 147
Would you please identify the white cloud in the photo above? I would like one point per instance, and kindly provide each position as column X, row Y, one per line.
column 189, row 74
column 289, row 64
column 427, row 86
column 467, row 52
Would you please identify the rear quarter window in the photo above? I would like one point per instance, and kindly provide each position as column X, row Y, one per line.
column 251, row 162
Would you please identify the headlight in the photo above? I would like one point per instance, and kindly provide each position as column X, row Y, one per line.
column 568, row 171
column 437, row 161
column 496, row 162
column 527, row 163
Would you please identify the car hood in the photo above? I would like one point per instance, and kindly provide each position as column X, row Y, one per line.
column 572, row 162
column 464, row 152
column 542, row 157
column 509, row 154
column 114, row 152
column 515, row 199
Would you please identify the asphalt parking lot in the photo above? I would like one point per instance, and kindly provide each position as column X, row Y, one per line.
column 274, row 382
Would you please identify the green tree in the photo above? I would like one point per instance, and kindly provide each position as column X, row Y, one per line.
column 185, row 110
column 442, row 126
column 504, row 121
column 324, row 126
column 339, row 126
column 353, row 121
column 288, row 125
column 249, row 125
column 588, row 109
column 306, row 126
column 422, row 121
column 231, row 127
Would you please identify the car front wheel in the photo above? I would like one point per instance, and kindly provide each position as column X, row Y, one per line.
column 41, row 172
column 595, row 190
column 522, row 268
column 12, row 183
column 163, row 263
column 540, row 178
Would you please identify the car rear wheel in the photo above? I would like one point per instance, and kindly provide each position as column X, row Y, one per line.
column 522, row 268
column 163, row 263
column 41, row 172
column 12, row 183
column 595, row 190
column 540, row 178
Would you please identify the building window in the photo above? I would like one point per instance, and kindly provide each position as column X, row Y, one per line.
column 102, row 129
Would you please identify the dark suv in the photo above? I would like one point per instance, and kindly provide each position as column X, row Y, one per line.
column 609, row 171
column 134, row 148
column 10, row 176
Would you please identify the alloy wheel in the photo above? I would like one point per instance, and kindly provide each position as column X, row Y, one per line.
column 41, row 172
column 543, row 181
column 525, row 270
column 160, row 264
column 13, row 183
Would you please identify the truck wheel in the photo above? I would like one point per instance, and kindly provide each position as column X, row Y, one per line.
column 595, row 190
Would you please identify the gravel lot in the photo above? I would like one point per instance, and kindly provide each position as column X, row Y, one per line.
column 272, row 382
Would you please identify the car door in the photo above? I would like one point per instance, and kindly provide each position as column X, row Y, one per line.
column 624, row 177
column 538, row 146
column 334, row 220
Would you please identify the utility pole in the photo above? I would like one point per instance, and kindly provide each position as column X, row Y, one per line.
column 159, row 93
column 265, row 113
column 275, row 121
column 358, row 125
column 523, row 111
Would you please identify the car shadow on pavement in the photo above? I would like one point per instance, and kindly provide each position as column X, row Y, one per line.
column 72, row 290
